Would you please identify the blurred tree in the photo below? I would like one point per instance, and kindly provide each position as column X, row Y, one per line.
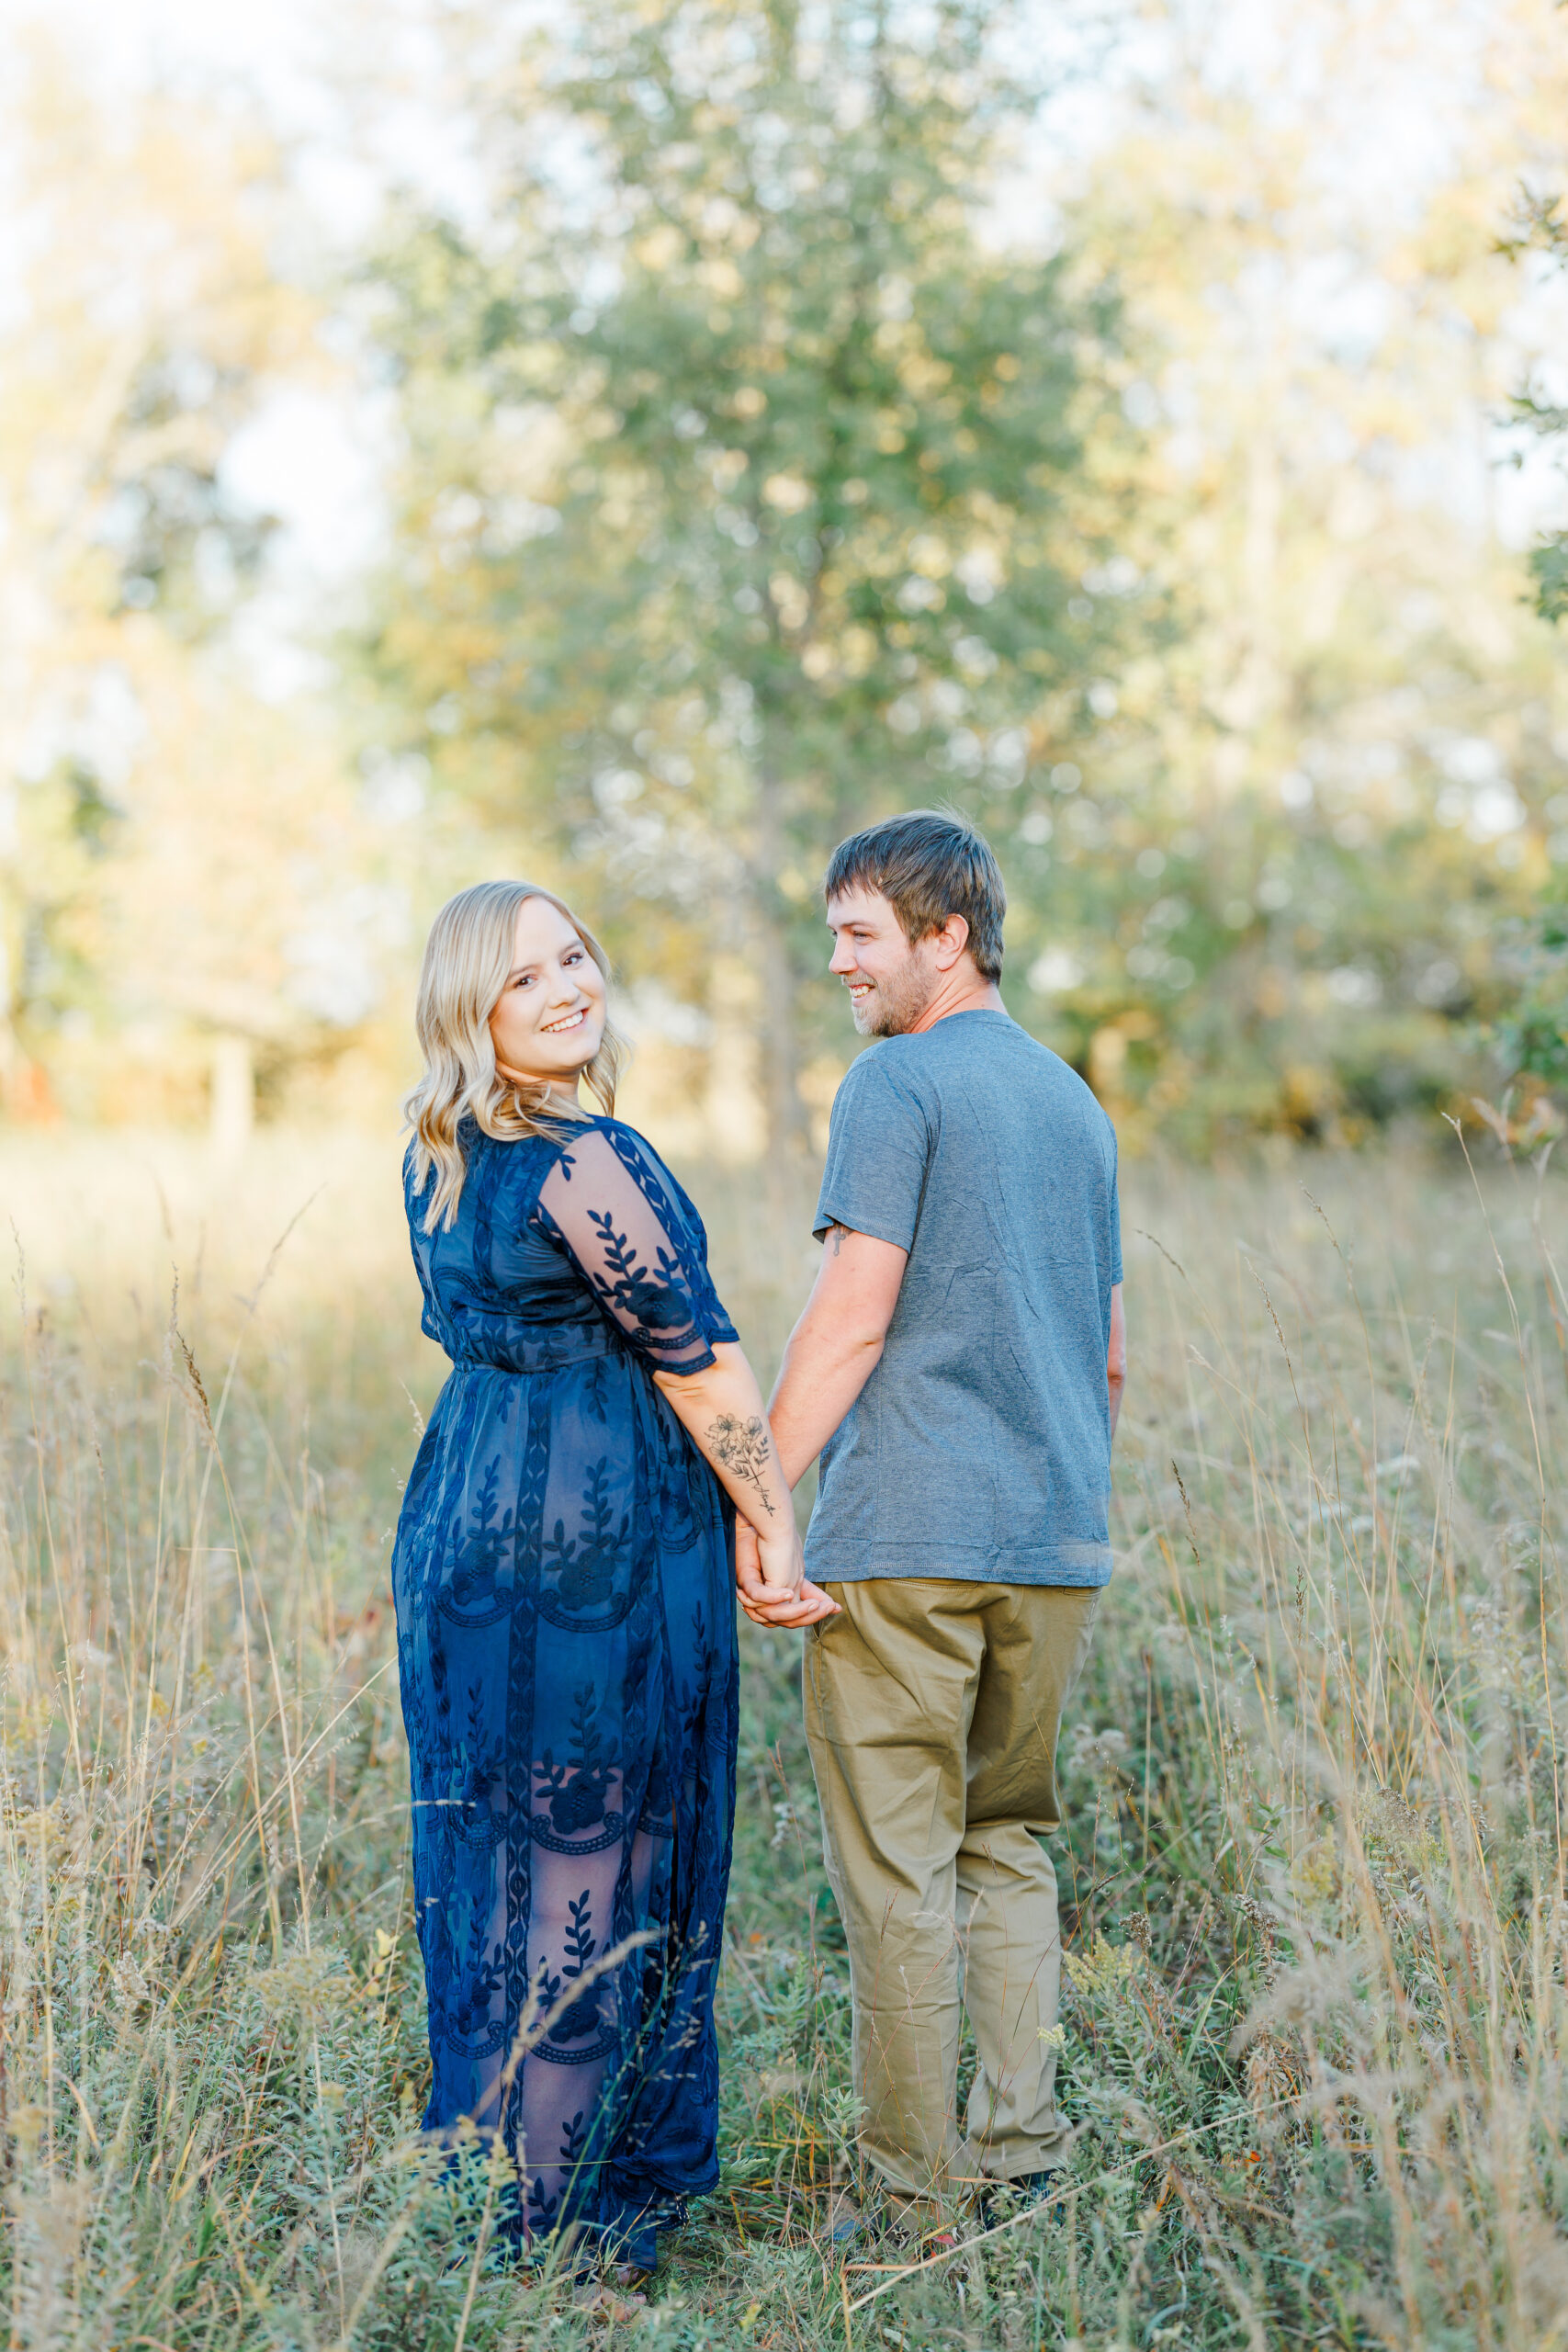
column 761, row 479
column 1275, row 897
column 171, row 850
column 1539, row 227
column 753, row 478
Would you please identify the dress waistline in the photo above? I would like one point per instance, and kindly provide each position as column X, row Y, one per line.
column 521, row 1357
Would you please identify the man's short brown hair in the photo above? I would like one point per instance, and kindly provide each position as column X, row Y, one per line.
column 928, row 865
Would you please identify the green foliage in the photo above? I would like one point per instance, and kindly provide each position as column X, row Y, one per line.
column 757, row 486
column 810, row 546
column 1541, row 226
column 1530, row 1044
column 1549, row 562
column 182, row 544
column 1532, row 1041
column 790, row 437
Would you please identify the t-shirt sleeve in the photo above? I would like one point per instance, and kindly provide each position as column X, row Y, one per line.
column 879, row 1149
column 1115, row 1217
column 610, row 1203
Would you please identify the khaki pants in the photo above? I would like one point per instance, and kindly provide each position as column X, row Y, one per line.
column 931, row 1710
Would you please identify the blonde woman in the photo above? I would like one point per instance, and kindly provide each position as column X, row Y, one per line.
column 563, row 1581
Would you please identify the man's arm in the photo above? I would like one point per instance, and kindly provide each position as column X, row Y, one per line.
column 1115, row 1362
column 836, row 1345
column 831, row 1352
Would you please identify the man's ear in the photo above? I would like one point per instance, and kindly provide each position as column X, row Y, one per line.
column 950, row 942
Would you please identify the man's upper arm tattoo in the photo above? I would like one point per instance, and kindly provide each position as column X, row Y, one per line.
column 837, row 1233
column 744, row 1450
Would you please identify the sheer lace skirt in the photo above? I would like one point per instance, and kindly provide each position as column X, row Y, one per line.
column 567, row 1652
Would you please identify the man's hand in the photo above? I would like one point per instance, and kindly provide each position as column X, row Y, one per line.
column 774, row 1603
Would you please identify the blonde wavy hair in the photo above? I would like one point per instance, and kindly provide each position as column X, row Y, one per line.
column 466, row 959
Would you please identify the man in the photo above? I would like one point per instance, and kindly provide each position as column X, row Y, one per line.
column 959, row 1369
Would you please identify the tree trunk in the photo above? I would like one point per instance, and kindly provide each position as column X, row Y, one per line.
column 788, row 1126
column 233, row 1099
column 789, row 1131
column 733, row 1111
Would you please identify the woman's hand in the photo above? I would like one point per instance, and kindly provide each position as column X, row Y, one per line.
column 770, row 1576
column 721, row 1409
column 781, row 1561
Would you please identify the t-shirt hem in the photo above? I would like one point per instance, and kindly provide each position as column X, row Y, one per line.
column 864, row 1564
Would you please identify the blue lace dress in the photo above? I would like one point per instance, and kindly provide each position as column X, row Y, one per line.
column 566, row 1641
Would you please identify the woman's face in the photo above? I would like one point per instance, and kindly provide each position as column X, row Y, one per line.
column 550, row 1017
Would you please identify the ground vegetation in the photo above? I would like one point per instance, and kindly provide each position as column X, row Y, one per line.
column 1311, row 1863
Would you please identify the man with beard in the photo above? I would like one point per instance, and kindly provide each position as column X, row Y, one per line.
column 959, row 1369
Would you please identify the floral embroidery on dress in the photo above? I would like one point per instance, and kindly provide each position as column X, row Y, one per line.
column 562, row 1557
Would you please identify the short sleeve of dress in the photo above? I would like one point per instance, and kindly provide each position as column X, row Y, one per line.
column 612, row 1206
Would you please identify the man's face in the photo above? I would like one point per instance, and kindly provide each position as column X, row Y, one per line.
column 890, row 983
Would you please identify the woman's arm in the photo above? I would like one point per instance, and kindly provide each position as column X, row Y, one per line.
column 610, row 1205
column 721, row 1410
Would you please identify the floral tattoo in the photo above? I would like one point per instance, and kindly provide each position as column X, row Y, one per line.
column 744, row 1450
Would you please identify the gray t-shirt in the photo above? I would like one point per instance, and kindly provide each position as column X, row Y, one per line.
column 980, row 1446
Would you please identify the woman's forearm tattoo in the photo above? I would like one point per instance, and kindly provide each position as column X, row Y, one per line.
column 743, row 1449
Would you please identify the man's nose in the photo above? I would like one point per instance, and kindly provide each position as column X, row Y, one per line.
column 844, row 957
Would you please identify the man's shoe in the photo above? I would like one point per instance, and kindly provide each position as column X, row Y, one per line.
column 1028, row 2189
column 845, row 2222
column 1033, row 2186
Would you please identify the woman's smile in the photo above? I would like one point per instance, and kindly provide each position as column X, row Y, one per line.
column 549, row 1021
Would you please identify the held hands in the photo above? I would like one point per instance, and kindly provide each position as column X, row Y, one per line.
column 769, row 1575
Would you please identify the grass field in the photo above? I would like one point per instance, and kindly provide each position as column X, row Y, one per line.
column 1316, row 2027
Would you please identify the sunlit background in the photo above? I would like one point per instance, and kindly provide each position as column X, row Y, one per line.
column 633, row 445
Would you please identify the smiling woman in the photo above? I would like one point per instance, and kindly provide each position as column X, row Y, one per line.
column 563, row 1578
column 552, row 1006
column 504, row 962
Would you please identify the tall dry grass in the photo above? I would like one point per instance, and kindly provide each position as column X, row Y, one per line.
column 1314, row 2028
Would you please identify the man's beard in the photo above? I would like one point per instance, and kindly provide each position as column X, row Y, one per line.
column 896, row 1002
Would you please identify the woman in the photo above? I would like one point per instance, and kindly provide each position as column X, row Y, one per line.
column 562, row 1576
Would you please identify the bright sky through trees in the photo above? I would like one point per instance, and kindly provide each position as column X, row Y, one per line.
column 1270, row 817
column 1385, row 129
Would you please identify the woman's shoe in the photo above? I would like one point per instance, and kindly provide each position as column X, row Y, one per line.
column 921, row 2224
